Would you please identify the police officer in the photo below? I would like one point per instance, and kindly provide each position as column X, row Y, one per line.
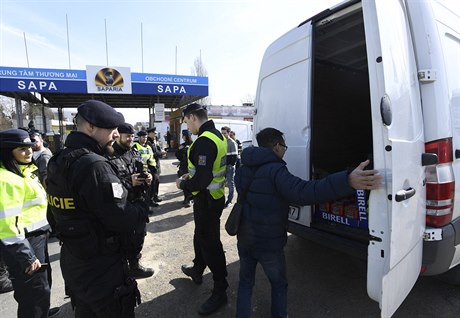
column 146, row 153
column 206, row 179
column 91, row 211
column 152, row 141
column 181, row 154
column 129, row 168
column 23, row 224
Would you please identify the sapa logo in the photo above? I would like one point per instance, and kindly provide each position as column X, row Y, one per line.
column 109, row 79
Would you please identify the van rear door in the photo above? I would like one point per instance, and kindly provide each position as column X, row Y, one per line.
column 284, row 103
column 396, row 212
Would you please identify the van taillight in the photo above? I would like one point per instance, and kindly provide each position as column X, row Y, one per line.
column 443, row 148
column 440, row 186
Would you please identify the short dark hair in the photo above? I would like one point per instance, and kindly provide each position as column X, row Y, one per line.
column 197, row 109
column 226, row 128
column 200, row 113
column 269, row 137
column 79, row 121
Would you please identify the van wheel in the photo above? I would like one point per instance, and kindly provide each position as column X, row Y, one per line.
column 452, row 276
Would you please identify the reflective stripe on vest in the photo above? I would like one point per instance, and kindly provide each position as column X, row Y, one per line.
column 146, row 153
column 214, row 174
column 22, row 204
column 216, row 187
column 232, row 148
column 13, row 239
column 17, row 210
column 35, row 226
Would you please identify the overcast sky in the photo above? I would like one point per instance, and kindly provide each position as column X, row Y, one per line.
column 231, row 36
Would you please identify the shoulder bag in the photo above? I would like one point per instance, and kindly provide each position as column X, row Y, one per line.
column 234, row 218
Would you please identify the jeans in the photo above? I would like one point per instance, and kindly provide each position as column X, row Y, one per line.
column 274, row 265
column 230, row 178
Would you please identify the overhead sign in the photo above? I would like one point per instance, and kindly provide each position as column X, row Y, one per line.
column 99, row 80
column 159, row 112
column 108, row 80
column 15, row 79
column 164, row 84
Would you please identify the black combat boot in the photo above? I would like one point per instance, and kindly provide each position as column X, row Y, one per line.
column 193, row 273
column 136, row 270
column 53, row 311
column 5, row 282
column 186, row 202
column 6, row 286
column 218, row 299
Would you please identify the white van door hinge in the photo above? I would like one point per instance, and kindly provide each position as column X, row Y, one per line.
column 432, row 235
column 426, row 76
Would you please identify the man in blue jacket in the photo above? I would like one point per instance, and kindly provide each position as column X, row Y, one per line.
column 262, row 234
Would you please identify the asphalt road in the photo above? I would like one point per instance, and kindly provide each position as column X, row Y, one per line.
column 322, row 282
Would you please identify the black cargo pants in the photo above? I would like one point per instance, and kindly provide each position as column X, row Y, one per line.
column 206, row 239
column 32, row 292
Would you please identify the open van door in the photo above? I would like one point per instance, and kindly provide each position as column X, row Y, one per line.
column 396, row 212
column 279, row 97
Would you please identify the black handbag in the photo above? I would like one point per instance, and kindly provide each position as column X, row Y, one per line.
column 234, row 218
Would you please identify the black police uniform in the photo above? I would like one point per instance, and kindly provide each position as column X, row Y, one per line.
column 155, row 171
column 181, row 155
column 127, row 163
column 90, row 209
column 206, row 211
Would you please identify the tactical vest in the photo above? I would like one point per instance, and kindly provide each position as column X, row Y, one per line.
column 76, row 227
column 217, row 186
column 126, row 165
column 22, row 204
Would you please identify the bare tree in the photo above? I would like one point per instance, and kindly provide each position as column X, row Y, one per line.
column 248, row 99
column 139, row 126
column 199, row 69
column 32, row 110
column 7, row 112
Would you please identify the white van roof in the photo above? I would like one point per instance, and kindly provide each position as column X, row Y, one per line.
column 243, row 129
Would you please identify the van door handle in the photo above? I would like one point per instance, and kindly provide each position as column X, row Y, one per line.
column 429, row 159
column 457, row 153
column 402, row 195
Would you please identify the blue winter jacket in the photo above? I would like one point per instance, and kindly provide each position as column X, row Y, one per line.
column 273, row 188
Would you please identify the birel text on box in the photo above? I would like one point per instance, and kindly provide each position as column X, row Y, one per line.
column 350, row 211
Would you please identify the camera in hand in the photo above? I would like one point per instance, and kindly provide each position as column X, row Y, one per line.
column 43, row 267
column 140, row 169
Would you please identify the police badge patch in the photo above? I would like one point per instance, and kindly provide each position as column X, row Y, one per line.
column 202, row 160
column 117, row 190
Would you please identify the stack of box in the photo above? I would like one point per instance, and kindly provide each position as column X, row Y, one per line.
column 350, row 211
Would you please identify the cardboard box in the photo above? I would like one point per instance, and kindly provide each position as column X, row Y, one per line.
column 350, row 211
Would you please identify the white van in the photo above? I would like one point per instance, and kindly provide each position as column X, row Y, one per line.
column 242, row 128
column 375, row 80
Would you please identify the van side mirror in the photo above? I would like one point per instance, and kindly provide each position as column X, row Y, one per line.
column 429, row 159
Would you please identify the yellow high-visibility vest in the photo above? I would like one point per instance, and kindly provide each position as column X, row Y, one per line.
column 22, row 204
column 216, row 187
column 146, row 153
